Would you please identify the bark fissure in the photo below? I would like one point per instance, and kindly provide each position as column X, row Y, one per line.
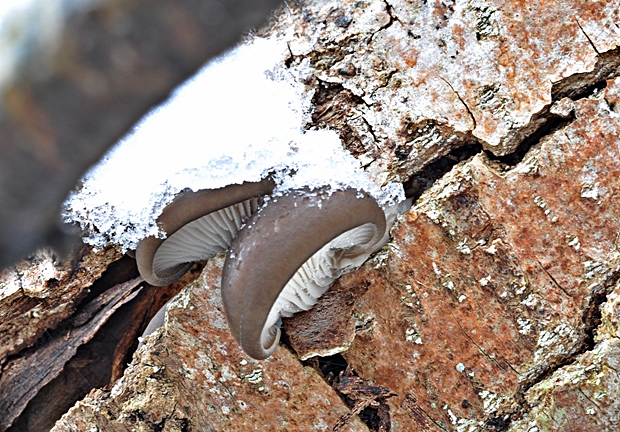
column 363, row 399
column 471, row 115
column 393, row 18
column 555, row 282
column 551, row 125
column 592, row 314
column 386, row 82
column 24, row 376
column 432, row 172
column 491, row 358
column 587, row 36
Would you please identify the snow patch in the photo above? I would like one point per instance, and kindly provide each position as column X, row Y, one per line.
column 239, row 119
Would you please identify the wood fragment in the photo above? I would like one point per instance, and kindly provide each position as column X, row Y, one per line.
column 24, row 376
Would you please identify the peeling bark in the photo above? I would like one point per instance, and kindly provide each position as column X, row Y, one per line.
column 25, row 377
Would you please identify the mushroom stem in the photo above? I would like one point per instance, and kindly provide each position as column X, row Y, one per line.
column 279, row 243
column 212, row 218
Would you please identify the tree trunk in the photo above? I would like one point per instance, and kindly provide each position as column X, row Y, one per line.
column 494, row 307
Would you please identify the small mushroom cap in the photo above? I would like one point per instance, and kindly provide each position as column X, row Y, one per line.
column 156, row 322
column 189, row 207
column 274, row 244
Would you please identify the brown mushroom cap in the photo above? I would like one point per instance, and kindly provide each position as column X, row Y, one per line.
column 212, row 218
column 275, row 243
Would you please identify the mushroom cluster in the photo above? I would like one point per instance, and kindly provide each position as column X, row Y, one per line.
column 284, row 251
column 198, row 225
column 238, row 169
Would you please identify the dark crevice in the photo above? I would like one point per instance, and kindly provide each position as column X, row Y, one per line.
column 355, row 392
column 542, row 376
column 498, row 423
column 119, row 271
column 393, row 18
column 328, row 367
column 374, row 418
column 329, row 100
column 333, row 104
column 288, row 62
column 581, row 85
column 509, row 161
column 590, row 90
column 286, row 340
column 591, row 319
column 423, row 180
column 371, row 130
column 331, row 367
column 592, row 311
column 520, row 404
column 388, row 77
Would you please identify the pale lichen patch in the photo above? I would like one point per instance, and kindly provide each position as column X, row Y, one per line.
column 573, row 241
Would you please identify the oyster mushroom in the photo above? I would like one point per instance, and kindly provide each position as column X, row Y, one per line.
column 198, row 226
column 156, row 322
column 289, row 253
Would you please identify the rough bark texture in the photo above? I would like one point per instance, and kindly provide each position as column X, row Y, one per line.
column 492, row 280
column 37, row 294
column 194, row 376
column 496, row 304
column 67, row 327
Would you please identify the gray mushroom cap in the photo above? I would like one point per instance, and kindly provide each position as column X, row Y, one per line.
column 156, row 322
column 198, row 225
column 277, row 243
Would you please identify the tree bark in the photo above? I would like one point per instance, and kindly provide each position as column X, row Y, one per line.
column 495, row 305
